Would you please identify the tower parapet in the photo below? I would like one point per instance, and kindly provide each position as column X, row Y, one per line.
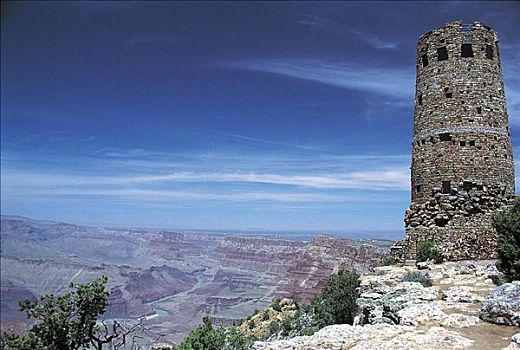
column 462, row 160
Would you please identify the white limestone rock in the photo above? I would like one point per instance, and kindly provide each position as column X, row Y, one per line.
column 502, row 306
column 459, row 321
column 515, row 343
column 379, row 336
column 463, row 294
column 421, row 313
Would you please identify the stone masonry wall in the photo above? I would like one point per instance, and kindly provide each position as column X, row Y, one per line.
column 462, row 159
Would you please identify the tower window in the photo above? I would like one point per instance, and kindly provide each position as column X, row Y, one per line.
column 419, row 100
column 472, row 143
column 446, row 187
column 449, row 94
column 445, row 137
column 479, row 110
column 424, row 60
column 466, row 50
column 489, row 51
column 418, row 188
column 442, row 54
column 423, row 141
column 462, row 143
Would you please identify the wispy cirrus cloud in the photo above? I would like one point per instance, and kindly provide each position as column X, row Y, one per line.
column 392, row 82
column 159, row 195
column 368, row 180
column 374, row 40
column 338, row 28
column 262, row 140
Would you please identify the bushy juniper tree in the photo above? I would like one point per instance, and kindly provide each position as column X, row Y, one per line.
column 70, row 321
column 507, row 225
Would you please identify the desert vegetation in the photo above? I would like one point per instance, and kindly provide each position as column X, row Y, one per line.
column 416, row 276
column 507, row 224
column 427, row 250
column 207, row 336
column 336, row 304
column 70, row 321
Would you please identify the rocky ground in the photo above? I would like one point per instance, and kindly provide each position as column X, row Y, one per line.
column 397, row 314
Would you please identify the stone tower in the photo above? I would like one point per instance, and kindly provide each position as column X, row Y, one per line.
column 462, row 161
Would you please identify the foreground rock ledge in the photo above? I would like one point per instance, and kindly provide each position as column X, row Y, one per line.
column 377, row 336
column 407, row 315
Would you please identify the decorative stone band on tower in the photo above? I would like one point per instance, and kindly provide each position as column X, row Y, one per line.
column 462, row 161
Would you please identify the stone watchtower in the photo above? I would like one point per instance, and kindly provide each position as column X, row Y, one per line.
column 462, row 162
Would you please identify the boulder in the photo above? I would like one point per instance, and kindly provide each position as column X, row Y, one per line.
column 461, row 294
column 515, row 342
column 502, row 306
column 421, row 313
column 408, row 293
column 459, row 321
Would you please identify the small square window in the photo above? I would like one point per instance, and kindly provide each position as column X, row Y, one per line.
column 462, row 143
column 442, row 54
column 449, row 94
column 445, row 137
column 472, row 143
column 418, row 188
column 424, row 60
column 489, row 51
column 466, row 50
column 479, row 110
column 446, row 187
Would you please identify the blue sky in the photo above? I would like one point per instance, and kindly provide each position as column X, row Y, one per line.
column 275, row 116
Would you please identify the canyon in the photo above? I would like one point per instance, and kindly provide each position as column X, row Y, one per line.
column 171, row 278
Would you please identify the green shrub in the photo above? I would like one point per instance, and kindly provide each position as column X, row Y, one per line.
column 204, row 337
column 416, row 276
column 69, row 321
column 286, row 327
column 276, row 305
column 427, row 250
column 389, row 260
column 208, row 337
column 265, row 315
column 251, row 324
column 309, row 330
column 236, row 340
column 274, row 327
column 507, row 225
column 337, row 302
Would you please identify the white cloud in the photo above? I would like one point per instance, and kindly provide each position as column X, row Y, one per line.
column 392, row 82
column 313, row 20
column 375, row 41
column 167, row 195
column 369, row 180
